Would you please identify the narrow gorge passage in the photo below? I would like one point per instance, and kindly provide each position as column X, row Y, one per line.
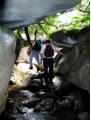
column 24, row 94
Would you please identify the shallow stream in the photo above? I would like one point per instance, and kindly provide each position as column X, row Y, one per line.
column 36, row 102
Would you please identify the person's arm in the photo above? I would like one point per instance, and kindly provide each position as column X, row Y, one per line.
column 58, row 51
column 61, row 53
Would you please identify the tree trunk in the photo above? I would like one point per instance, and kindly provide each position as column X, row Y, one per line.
column 27, row 35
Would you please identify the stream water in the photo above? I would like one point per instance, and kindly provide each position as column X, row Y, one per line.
column 36, row 102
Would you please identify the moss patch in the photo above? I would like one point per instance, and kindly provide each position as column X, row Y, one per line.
column 80, row 24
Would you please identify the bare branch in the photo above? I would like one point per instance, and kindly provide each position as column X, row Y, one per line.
column 51, row 24
column 42, row 28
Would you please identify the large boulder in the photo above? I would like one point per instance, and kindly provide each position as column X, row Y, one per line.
column 75, row 67
column 22, row 74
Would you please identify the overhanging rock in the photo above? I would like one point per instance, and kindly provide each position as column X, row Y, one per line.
column 18, row 13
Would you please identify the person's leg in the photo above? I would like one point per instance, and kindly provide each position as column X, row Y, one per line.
column 45, row 70
column 37, row 57
column 38, row 60
column 51, row 70
column 31, row 58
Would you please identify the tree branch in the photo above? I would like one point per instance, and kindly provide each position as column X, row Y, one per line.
column 21, row 36
column 27, row 35
column 36, row 31
column 87, row 6
column 51, row 24
column 42, row 28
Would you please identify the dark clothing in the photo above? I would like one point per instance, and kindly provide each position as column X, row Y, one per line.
column 48, row 70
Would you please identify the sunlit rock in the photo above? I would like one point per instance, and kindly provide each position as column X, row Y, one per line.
column 57, row 81
column 23, row 56
column 66, row 18
column 22, row 74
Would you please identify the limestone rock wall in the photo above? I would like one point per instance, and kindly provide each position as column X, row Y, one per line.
column 76, row 66
column 7, row 59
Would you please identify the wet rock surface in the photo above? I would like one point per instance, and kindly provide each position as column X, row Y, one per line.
column 48, row 103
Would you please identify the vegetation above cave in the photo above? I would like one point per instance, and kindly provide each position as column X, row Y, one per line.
column 79, row 23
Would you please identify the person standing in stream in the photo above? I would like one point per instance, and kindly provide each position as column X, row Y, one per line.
column 35, row 53
column 46, row 56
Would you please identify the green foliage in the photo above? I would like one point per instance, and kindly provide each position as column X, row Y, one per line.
column 83, row 5
column 4, row 29
column 48, row 24
column 16, row 33
column 78, row 23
